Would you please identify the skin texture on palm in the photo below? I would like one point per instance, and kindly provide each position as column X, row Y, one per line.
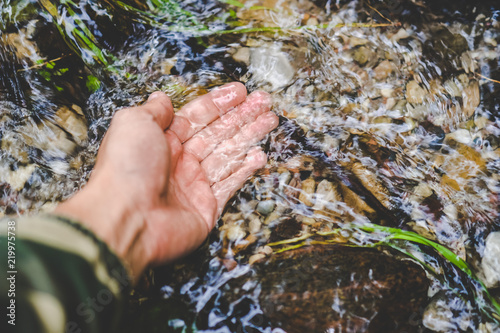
column 162, row 179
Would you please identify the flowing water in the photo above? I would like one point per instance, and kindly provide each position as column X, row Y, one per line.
column 378, row 209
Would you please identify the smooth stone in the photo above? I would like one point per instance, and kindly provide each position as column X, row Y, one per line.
column 362, row 55
column 235, row 233
column 490, row 263
column 242, row 55
column 16, row 179
column 471, row 98
column 266, row 207
column 330, row 288
column 308, row 188
column 383, row 70
column 271, row 65
column 415, row 94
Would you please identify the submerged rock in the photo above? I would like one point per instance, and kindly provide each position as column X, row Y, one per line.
column 271, row 65
column 491, row 260
column 334, row 288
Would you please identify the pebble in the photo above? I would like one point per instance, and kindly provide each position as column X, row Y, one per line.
column 423, row 190
column 401, row 34
column 383, row 70
column 272, row 217
column 326, row 193
column 256, row 257
column 415, row 93
column 356, row 41
column 17, row 178
column 73, row 121
column 437, row 317
column 308, row 187
column 254, row 224
column 452, row 89
column 490, row 263
column 271, row 65
column 461, row 135
column 362, row 55
column 471, row 98
column 13, row 145
column 266, row 207
column 266, row 250
column 242, row 55
column 235, row 233
column 387, row 92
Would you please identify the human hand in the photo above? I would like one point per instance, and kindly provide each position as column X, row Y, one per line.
column 161, row 180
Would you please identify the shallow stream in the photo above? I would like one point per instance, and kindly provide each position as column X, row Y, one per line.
column 378, row 210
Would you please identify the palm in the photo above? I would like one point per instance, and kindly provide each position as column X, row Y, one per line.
column 210, row 158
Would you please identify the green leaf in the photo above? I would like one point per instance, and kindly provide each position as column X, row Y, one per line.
column 93, row 83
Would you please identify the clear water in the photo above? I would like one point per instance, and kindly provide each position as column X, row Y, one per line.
column 389, row 115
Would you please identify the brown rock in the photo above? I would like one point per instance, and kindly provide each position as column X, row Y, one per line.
column 326, row 288
column 383, row 70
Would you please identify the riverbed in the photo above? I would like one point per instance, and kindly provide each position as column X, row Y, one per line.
column 378, row 209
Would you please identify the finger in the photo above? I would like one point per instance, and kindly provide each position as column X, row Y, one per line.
column 228, row 156
column 160, row 107
column 226, row 188
column 205, row 141
column 197, row 114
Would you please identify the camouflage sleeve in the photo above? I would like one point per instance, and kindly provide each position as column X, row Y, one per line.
column 60, row 278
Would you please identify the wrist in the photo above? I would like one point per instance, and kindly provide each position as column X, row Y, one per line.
column 113, row 220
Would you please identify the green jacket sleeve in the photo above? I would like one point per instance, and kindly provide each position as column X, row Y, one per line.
column 58, row 277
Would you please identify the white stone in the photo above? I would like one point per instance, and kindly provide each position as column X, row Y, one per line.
column 491, row 260
column 266, row 207
column 235, row 232
column 256, row 257
column 271, row 65
column 423, row 190
column 460, row 135
column 242, row 55
column 16, row 179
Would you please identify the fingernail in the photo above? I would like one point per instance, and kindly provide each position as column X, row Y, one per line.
column 154, row 95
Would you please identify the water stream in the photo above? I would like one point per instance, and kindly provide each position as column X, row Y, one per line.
column 378, row 209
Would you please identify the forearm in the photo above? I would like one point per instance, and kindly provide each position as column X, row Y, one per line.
column 65, row 280
column 113, row 218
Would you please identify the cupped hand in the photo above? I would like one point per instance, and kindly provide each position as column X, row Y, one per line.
column 162, row 179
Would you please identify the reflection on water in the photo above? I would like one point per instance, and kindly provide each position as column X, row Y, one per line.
column 389, row 115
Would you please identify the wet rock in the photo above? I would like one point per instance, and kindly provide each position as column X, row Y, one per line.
column 242, row 55
column 415, row 94
column 12, row 143
column 371, row 183
column 362, row 55
column 356, row 41
column 266, row 207
column 256, row 258
column 17, row 178
column 254, row 224
column 401, row 34
column 490, row 263
column 383, row 70
column 235, row 233
column 324, row 288
column 471, row 98
column 445, row 306
column 271, row 65
column 308, row 188
column 326, row 193
column 287, row 228
column 73, row 121
column 447, row 44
